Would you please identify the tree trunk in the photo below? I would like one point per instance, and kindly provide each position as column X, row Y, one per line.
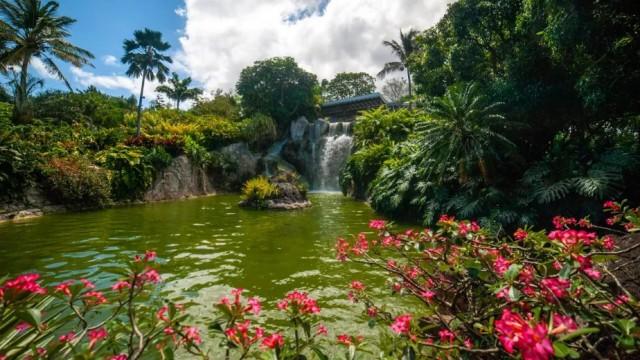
column 144, row 77
column 20, row 111
column 178, row 104
column 409, row 81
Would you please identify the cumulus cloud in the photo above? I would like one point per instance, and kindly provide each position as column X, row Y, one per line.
column 114, row 82
column 110, row 60
column 41, row 69
column 325, row 36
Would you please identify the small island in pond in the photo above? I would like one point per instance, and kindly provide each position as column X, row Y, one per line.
column 284, row 191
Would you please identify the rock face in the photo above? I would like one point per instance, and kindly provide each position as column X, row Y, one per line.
column 181, row 179
column 247, row 163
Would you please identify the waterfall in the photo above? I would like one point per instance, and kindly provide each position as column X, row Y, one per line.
column 335, row 149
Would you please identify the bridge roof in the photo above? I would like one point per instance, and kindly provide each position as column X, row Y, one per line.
column 355, row 99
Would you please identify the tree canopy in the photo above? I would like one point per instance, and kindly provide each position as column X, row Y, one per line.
column 348, row 84
column 278, row 87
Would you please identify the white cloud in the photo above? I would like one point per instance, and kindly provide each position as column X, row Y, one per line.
column 110, row 60
column 182, row 12
column 224, row 36
column 41, row 69
column 114, row 82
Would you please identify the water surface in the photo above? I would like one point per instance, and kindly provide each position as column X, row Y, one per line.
column 206, row 246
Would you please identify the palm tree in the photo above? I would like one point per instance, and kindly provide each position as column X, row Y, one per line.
column 403, row 51
column 179, row 90
column 33, row 29
column 144, row 56
column 16, row 86
column 461, row 134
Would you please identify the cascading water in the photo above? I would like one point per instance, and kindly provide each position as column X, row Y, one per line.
column 336, row 147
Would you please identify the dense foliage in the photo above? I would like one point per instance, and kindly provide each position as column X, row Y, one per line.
column 345, row 85
column 471, row 295
column 529, row 114
column 258, row 190
column 278, row 87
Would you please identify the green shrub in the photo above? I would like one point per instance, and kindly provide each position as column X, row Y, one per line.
column 197, row 153
column 259, row 131
column 382, row 124
column 76, row 182
column 362, row 168
column 258, row 190
column 157, row 157
column 131, row 175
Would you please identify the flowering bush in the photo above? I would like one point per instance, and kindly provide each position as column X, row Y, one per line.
column 535, row 296
column 73, row 319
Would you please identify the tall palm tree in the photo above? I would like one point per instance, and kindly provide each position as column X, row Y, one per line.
column 403, row 51
column 144, row 56
column 462, row 134
column 33, row 29
column 179, row 90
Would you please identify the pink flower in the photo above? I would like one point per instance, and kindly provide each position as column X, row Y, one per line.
column 161, row 314
column 87, row 284
column 562, row 324
column 611, row 205
column 119, row 357
column 299, row 302
column 555, row 288
column 26, row 283
column 428, row 295
column 96, row 335
column 402, row 324
column 377, row 224
column 192, row 334
column 446, row 336
column 372, row 311
column 63, row 287
column 608, row 243
column 273, row 341
column 570, row 238
column 92, row 298
column 501, row 265
column 149, row 255
column 527, row 274
column 342, row 249
column 168, row 331
column 68, row 337
column 468, row 343
column 120, row 285
column 22, row 326
column 254, row 306
column 322, row 330
column 357, row 286
column 344, row 339
column 516, row 333
column 151, row 275
column 361, row 246
column 520, row 234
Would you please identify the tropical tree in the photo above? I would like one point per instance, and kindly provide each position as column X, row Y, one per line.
column 179, row 90
column 278, row 87
column 402, row 50
column 144, row 56
column 17, row 87
column 461, row 134
column 33, row 29
column 348, row 84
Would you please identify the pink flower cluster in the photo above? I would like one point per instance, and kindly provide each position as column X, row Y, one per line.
column 22, row 285
column 570, row 238
column 273, row 341
column 243, row 335
column 299, row 303
column 402, row 324
column 528, row 337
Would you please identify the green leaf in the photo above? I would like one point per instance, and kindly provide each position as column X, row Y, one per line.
column 625, row 325
column 321, row 355
column 562, row 350
column 566, row 271
column 32, row 316
column 352, row 352
column 512, row 272
column 579, row 332
column 514, row 294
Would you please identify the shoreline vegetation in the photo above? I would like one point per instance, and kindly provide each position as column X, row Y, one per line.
column 506, row 113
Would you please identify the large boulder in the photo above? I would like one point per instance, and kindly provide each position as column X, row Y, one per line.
column 181, row 179
column 299, row 129
column 247, row 163
column 291, row 194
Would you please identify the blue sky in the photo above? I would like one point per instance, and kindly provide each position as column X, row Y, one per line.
column 102, row 25
column 213, row 40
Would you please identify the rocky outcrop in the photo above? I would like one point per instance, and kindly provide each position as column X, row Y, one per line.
column 182, row 179
column 291, row 194
column 247, row 164
column 304, row 149
column 32, row 204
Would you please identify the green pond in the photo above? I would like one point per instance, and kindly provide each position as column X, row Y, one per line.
column 206, row 246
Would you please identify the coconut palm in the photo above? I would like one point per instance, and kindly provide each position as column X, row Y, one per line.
column 461, row 136
column 144, row 56
column 33, row 29
column 403, row 51
column 178, row 90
